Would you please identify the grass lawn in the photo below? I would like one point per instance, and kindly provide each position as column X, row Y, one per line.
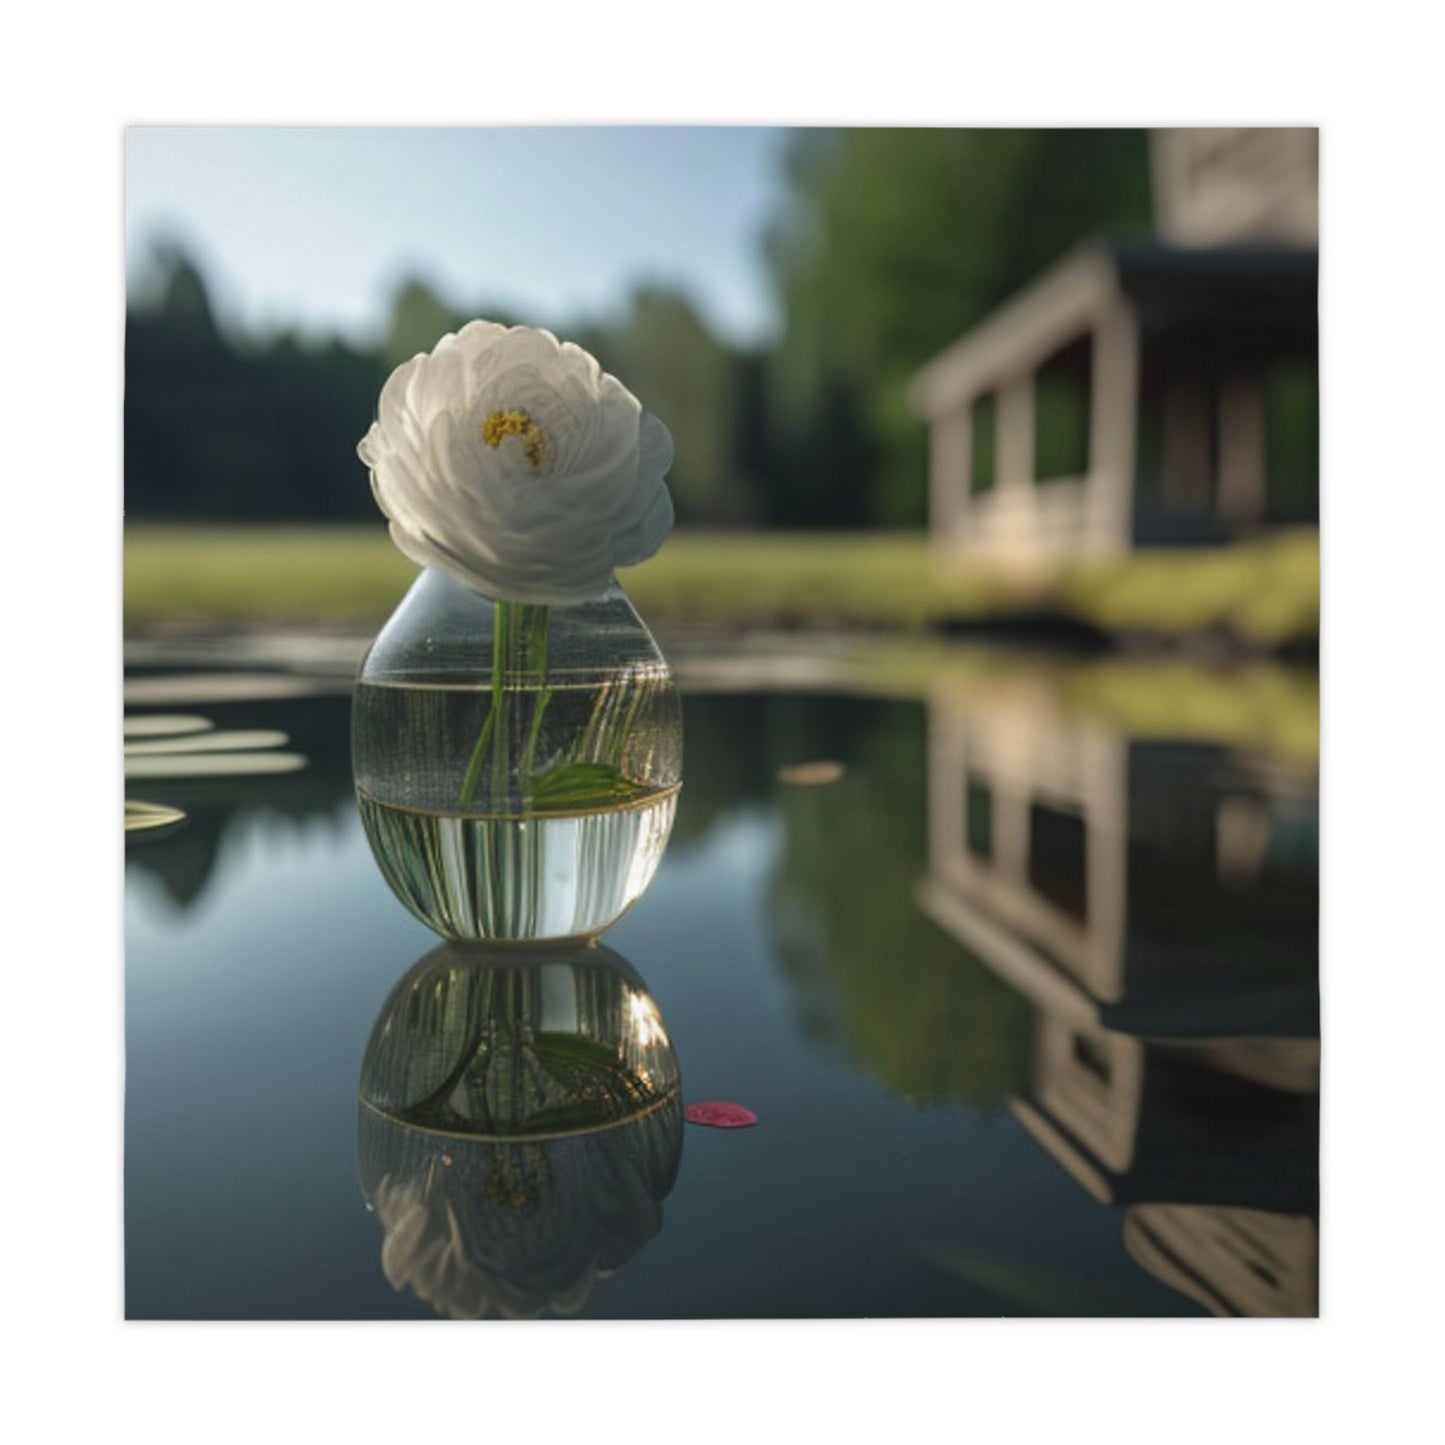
column 1266, row 592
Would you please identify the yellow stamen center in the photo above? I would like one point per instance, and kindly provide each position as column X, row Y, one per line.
column 516, row 423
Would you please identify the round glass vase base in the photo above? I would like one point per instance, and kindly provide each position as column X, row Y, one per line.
column 541, row 878
column 517, row 766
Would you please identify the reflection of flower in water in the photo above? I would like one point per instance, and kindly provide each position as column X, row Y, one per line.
column 517, row 1229
column 520, row 1124
column 432, row 1262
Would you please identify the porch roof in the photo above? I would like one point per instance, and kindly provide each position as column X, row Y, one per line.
column 1169, row 288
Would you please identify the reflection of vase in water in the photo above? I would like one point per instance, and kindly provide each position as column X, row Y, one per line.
column 516, row 766
column 520, row 1124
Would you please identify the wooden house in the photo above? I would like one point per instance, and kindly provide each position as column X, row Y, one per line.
column 1145, row 393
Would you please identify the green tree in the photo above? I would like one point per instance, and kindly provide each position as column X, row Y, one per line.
column 419, row 317
column 890, row 245
column 229, row 428
column 664, row 352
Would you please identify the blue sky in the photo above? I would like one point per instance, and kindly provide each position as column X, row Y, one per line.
column 315, row 227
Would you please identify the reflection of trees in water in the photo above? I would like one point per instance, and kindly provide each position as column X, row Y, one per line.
column 184, row 861
column 734, row 744
column 872, row 976
column 219, row 811
column 733, row 747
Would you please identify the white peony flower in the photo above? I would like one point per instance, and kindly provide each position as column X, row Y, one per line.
column 513, row 462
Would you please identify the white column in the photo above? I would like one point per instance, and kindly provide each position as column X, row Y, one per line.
column 951, row 439
column 1105, row 759
column 1010, row 831
column 1014, row 433
column 1113, row 426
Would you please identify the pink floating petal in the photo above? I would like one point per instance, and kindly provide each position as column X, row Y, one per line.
column 720, row 1115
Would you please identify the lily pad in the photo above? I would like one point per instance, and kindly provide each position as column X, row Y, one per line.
column 166, row 725
column 143, row 817
column 253, row 739
column 211, row 765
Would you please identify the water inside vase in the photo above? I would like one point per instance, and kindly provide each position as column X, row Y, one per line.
column 525, row 814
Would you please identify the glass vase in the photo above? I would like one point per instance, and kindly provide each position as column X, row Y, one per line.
column 516, row 766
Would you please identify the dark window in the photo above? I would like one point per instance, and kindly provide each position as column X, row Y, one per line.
column 1292, row 440
column 1149, row 448
column 980, row 471
column 1088, row 1053
column 1063, row 392
column 978, row 817
column 1057, row 867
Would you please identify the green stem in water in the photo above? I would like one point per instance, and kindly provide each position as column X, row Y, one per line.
column 519, row 655
column 539, row 661
column 494, row 709
column 504, row 664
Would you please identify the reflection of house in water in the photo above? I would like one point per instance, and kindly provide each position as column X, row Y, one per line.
column 1146, row 393
column 1175, row 883
column 1156, row 904
column 1232, row 1261
column 1214, row 1152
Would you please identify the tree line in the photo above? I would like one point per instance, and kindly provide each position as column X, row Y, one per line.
column 887, row 245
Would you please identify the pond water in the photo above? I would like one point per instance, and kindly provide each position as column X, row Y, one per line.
column 1016, row 966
